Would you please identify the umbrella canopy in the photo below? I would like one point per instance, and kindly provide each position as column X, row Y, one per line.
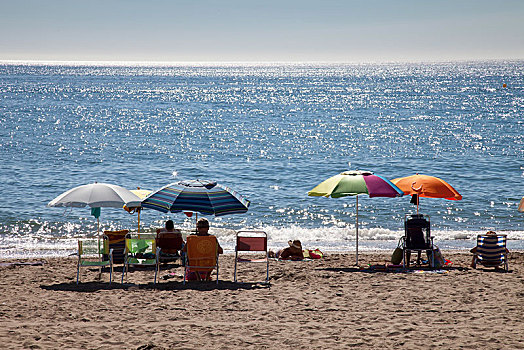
column 96, row 195
column 202, row 196
column 426, row 186
column 353, row 183
column 137, row 209
column 521, row 205
column 141, row 193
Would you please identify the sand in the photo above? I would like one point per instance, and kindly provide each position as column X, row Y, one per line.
column 326, row 304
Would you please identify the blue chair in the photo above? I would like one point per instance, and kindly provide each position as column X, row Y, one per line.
column 491, row 251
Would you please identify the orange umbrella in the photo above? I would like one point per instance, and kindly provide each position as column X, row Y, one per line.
column 426, row 186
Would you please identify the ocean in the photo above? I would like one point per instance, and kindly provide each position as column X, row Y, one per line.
column 271, row 132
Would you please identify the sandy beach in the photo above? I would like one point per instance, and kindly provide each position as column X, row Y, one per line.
column 326, row 304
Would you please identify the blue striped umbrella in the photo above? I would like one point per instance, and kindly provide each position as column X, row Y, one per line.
column 205, row 197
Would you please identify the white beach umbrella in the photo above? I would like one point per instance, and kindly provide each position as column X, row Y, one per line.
column 96, row 195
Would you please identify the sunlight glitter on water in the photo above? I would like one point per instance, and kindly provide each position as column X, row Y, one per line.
column 270, row 131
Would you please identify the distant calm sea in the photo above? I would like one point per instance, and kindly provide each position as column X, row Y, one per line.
column 270, row 131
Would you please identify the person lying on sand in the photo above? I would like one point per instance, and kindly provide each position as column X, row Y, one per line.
column 293, row 252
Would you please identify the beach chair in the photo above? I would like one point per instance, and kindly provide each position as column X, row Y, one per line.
column 116, row 242
column 140, row 252
column 251, row 241
column 89, row 255
column 170, row 245
column 491, row 251
column 201, row 256
column 417, row 238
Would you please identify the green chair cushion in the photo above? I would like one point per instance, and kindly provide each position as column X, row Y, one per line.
column 136, row 261
column 94, row 263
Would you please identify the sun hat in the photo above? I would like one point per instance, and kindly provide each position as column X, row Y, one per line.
column 295, row 244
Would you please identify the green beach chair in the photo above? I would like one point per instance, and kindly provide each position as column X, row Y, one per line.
column 140, row 252
column 89, row 255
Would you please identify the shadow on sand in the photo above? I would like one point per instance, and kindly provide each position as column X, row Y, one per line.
column 89, row 287
column 340, row 269
column 382, row 268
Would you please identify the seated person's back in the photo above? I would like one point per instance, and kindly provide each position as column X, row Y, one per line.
column 169, row 239
column 416, row 238
column 203, row 230
column 202, row 273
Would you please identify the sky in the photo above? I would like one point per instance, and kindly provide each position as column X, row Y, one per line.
column 261, row 30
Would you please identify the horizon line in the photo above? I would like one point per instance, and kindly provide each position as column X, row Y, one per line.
column 240, row 62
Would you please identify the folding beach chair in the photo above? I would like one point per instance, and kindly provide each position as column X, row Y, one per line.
column 116, row 242
column 491, row 251
column 170, row 245
column 417, row 238
column 89, row 251
column 201, row 256
column 140, row 252
column 252, row 241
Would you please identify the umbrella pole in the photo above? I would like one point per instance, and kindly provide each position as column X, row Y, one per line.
column 98, row 234
column 138, row 210
column 357, row 234
column 99, row 256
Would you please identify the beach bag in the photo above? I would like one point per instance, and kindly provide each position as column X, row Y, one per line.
column 396, row 257
column 312, row 254
column 315, row 254
column 438, row 259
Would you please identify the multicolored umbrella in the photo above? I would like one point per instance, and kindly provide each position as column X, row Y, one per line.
column 521, row 205
column 426, row 186
column 202, row 196
column 353, row 183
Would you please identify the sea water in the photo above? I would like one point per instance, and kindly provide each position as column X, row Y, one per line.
column 272, row 132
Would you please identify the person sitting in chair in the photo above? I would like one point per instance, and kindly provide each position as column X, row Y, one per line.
column 169, row 232
column 202, row 230
column 474, row 249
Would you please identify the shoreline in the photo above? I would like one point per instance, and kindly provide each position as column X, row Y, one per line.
column 230, row 252
column 326, row 303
